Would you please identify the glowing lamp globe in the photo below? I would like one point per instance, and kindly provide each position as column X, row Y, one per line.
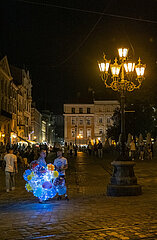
column 104, row 66
column 129, row 67
column 123, row 52
column 140, row 68
column 115, row 68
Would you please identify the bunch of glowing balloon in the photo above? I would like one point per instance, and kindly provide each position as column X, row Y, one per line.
column 43, row 181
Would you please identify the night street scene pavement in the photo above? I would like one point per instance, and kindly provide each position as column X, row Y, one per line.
column 89, row 214
column 78, row 120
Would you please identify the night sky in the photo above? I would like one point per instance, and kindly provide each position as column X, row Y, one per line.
column 61, row 46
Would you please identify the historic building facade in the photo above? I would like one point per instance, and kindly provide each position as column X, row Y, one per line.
column 15, row 103
column 8, row 103
column 86, row 122
column 21, row 79
column 36, row 124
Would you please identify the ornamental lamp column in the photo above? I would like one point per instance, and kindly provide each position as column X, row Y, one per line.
column 122, row 76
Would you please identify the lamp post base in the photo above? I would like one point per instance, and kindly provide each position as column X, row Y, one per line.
column 123, row 180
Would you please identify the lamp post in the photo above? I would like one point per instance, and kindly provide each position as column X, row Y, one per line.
column 75, row 134
column 122, row 76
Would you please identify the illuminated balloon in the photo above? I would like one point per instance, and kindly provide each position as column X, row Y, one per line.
column 61, row 190
column 26, row 173
column 50, row 167
column 47, row 185
column 55, row 174
column 38, row 192
column 29, row 177
column 28, row 187
column 40, row 181
column 59, row 182
column 53, row 192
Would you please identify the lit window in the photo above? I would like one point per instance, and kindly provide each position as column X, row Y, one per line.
column 88, row 132
column 81, row 131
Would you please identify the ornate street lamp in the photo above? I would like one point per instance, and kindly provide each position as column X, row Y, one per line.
column 123, row 75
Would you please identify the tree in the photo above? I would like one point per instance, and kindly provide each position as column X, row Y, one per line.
column 142, row 120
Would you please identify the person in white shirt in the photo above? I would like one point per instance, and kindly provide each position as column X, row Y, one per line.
column 10, row 170
column 61, row 164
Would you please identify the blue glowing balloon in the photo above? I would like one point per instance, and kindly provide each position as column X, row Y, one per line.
column 61, row 190
column 53, row 192
column 26, row 173
column 59, row 182
column 38, row 192
column 47, row 185
column 40, row 181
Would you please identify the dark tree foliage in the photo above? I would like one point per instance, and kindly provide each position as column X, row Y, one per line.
column 142, row 120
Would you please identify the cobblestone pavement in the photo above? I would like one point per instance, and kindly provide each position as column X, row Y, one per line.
column 89, row 214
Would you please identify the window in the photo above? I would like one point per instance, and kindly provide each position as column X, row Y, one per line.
column 88, row 110
column 88, row 121
column 73, row 110
column 100, row 119
column 108, row 119
column 73, row 132
column 73, row 121
column 81, row 131
column 81, row 121
column 101, row 131
column 80, row 110
column 88, row 132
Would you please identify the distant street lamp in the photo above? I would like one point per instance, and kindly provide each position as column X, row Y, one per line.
column 79, row 137
column 123, row 75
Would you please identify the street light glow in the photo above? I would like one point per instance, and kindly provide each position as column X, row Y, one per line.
column 123, row 52
column 129, row 67
column 115, row 68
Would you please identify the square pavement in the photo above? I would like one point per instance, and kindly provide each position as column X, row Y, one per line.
column 89, row 214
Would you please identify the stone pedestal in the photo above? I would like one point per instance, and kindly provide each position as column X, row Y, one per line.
column 123, row 180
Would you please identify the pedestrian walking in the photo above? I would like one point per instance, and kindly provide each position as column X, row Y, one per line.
column 141, row 149
column 95, row 149
column 41, row 160
column 149, row 151
column 10, row 170
column 100, row 151
column 132, row 149
column 89, row 148
column 61, row 164
column 71, row 149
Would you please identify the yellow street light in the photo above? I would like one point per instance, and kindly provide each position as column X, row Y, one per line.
column 119, row 79
column 123, row 52
column 115, row 68
column 129, row 67
column 104, row 66
column 140, row 68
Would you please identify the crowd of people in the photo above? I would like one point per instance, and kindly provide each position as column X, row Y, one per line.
column 17, row 157
column 141, row 150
